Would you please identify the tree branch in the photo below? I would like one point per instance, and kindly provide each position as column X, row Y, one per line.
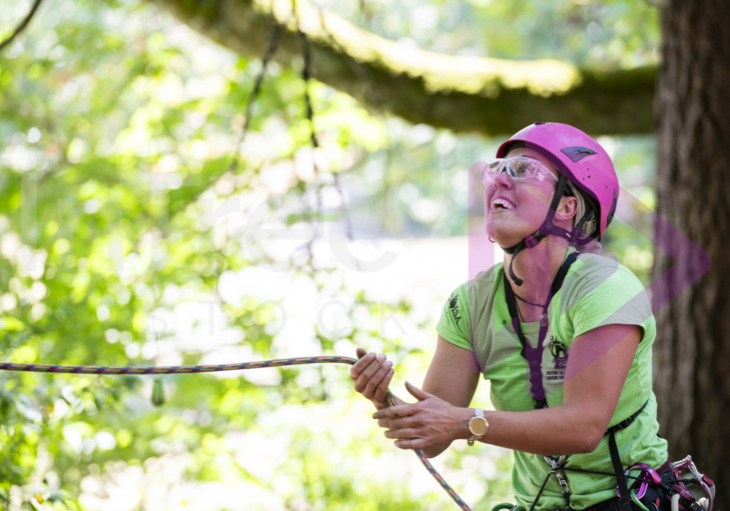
column 464, row 94
column 22, row 25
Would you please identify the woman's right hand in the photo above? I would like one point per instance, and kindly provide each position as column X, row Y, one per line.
column 372, row 375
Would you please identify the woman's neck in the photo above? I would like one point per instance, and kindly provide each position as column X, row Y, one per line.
column 537, row 267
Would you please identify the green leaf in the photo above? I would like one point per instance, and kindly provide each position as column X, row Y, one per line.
column 158, row 392
column 11, row 324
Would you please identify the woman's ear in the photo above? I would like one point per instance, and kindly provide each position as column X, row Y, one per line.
column 567, row 208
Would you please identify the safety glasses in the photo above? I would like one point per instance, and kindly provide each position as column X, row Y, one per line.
column 518, row 168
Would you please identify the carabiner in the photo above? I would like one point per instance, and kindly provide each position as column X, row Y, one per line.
column 555, row 462
column 556, row 465
column 636, row 501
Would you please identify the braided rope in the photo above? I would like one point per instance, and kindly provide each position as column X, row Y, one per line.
column 38, row 368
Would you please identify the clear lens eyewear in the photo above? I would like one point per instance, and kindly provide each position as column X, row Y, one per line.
column 519, row 168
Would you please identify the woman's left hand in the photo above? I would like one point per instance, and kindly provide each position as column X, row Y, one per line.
column 429, row 422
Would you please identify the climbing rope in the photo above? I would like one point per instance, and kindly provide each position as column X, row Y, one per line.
column 37, row 368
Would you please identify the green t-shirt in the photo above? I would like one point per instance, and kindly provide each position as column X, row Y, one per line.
column 597, row 291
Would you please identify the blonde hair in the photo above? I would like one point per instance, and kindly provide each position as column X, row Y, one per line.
column 589, row 225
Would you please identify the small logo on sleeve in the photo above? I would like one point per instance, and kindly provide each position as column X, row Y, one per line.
column 454, row 307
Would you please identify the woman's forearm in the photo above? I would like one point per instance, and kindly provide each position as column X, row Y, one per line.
column 590, row 398
column 433, row 424
column 549, row 431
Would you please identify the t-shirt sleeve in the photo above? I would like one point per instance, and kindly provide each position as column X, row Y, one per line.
column 611, row 296
column 454, row 322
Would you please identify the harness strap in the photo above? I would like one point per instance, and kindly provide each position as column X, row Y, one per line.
column 627, row 421
column 623, row 489
column 554, row 288
column 562, row 272
column 534, row 355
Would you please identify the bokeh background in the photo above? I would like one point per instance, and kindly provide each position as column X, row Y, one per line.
column 117, row 247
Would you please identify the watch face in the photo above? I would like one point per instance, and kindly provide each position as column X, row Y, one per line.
column 478, row 426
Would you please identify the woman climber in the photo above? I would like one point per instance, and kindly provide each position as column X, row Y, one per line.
column 564, row 336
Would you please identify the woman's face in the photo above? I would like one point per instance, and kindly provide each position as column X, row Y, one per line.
column 528, row 202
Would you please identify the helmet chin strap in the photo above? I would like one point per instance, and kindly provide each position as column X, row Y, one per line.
column 547, row 228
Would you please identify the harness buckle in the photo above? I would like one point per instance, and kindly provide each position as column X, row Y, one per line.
column 556, row 463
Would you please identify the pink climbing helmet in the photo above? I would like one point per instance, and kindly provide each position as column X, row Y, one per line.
column 576, row 156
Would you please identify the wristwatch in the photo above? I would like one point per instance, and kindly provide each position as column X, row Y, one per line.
column 478, row 425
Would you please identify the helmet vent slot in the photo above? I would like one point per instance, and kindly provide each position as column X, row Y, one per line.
column 577, row 153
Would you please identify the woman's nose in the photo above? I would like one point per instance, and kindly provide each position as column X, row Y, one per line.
column 503, row 181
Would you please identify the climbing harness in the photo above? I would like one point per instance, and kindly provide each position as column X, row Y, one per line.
column 37, row 368
column 682, row 499
column 534, row 362
column 557, row 465
column 671, row 488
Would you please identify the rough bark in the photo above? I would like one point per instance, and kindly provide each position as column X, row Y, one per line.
column 692, row 353
column 487, row 96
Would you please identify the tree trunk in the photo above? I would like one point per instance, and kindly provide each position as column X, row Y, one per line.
column 482, row 95
column 692, row 352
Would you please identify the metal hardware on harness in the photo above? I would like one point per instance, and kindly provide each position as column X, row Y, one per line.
column 685, row 499
column 556, row 463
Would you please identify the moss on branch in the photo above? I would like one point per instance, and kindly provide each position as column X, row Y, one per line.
column 464, row 94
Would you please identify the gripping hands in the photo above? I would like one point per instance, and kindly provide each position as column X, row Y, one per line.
column 372, row 375
column 430, row 423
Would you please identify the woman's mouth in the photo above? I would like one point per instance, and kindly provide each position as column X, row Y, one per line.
column 500, row 204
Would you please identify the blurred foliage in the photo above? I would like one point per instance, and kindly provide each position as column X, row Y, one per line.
column 595, row 34
column 125, row 239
